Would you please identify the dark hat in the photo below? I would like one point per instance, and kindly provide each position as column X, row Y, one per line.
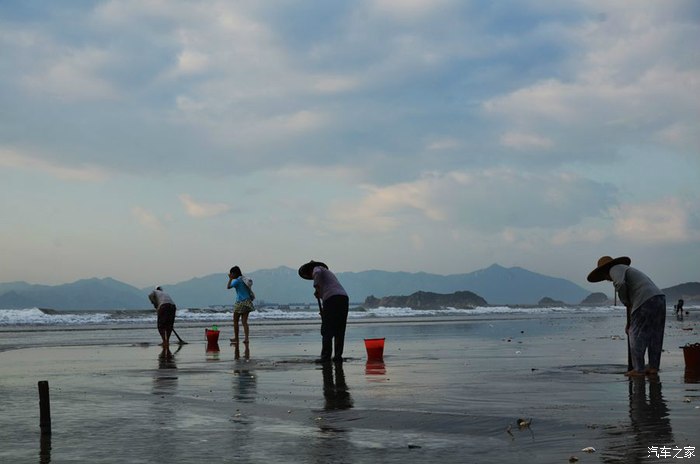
column 306, row 270
column 604, row 264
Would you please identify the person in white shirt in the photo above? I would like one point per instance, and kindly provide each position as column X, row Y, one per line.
column 165, row 307
column 646, row 311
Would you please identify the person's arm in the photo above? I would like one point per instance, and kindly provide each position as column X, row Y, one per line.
column 230, row 282
column 318, row 278
column 153, row 299
column 618, row 276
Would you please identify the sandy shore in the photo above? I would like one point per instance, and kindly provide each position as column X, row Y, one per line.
column 448, row 390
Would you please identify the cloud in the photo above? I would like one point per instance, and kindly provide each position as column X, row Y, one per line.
column 629, row 84
column 146, row 218
column 73, row 74
column 408, row 9
column 13, row 159
column 488, row 200
column 668, row 220
column 200, row 209
column 444, row 143
column 525, row 141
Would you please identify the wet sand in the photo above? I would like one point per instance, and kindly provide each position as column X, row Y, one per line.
column 448, row 390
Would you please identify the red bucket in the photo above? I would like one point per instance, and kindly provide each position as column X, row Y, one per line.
column 212, row 336
column 691, row 353
column 375, row 348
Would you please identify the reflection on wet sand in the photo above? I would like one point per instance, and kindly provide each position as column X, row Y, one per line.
column 45, row 448
column 164, row 409
column 212, row 351
column 649, row 427
column 332, row 440
column 245, row 384
column 237, row 351
column 165, row 378
column 375, row 371
column 335, row 391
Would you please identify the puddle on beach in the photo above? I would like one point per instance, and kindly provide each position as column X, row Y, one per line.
column 611, row 369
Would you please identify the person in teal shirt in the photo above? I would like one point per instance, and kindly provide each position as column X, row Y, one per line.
column 244, row 301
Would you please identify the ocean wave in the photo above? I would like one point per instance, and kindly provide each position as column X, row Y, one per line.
column 37, row 316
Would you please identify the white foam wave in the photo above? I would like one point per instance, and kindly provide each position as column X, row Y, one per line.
column 35, row 316
column 388, row 312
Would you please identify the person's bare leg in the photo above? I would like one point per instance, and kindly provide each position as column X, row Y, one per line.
column 244, row 320
column 168, row 332
column 236, row 317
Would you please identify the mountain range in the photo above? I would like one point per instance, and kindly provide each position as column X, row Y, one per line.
column 497, row 285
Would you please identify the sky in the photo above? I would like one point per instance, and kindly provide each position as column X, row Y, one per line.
column 153, row 141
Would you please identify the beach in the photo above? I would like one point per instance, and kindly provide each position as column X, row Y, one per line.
column 487, row 389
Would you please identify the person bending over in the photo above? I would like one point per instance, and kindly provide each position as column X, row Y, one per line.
column 333, row 305
column 165, row 307
column 646, row 310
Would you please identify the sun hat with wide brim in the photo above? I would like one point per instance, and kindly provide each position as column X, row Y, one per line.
column 604, row 264
column 306, row 270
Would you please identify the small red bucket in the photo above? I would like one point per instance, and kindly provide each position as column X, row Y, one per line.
column 212, row 336
column 375, row 348
column 691, row 353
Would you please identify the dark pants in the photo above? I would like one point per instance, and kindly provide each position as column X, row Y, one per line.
column 646, row 332
column 334, row 318
column 166, row 316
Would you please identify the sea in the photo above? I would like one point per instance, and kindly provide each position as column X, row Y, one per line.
column 51, row 317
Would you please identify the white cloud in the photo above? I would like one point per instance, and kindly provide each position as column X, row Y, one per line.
column 632, row 81
column 486, row 200
column 445, row 143
column 73, row 75
column 146, row 218
column 579, row 234
column 192, row 62
column 526, row 141
column 408, row 9
column 668, row 220
column 334, row 84
column 200, row 209
column 13, row 159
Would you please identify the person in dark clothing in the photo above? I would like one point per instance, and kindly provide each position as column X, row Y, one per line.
column 333, row 305
column 679, row 308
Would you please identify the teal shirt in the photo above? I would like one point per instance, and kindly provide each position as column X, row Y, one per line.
column 242, row 292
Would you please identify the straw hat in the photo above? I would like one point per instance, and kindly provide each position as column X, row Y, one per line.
column 604, row 264
column 306, row 270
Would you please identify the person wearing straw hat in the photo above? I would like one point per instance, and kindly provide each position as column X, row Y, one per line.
column 333, row 304
column 646, row 311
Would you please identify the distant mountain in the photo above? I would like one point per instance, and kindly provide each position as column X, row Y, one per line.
column 88, row 294
column 15, row 300
column 496, row 284
column 688, row 292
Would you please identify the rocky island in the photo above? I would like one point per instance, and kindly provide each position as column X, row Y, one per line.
column 428, row 300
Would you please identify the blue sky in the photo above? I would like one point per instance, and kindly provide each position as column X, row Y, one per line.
column 154, row 141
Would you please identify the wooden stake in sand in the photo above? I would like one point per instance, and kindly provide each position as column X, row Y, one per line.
column 44, row 408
